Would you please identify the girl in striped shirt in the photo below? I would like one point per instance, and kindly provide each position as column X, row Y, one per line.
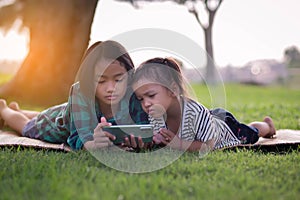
column 183, row 123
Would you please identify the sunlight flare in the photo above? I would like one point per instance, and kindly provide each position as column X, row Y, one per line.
column 13, row 45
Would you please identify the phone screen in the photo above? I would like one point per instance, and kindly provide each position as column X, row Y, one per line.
column 122, row 131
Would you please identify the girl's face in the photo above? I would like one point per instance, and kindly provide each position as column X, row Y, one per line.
column 111, row 83
column 156, row 99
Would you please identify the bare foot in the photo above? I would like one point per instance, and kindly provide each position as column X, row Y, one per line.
column 14, row 105
column 272, row 132
column 2, row 104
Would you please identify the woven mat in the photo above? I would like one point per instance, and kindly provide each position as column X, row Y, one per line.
column 9, row 138
column 283, row 136
column 283, row 140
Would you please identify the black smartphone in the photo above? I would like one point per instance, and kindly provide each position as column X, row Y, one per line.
column 145, row 131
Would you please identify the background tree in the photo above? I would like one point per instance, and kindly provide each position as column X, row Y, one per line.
column 59, row 32
column 210, row 8
column 292, row 57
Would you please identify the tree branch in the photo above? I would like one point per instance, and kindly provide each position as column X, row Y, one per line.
column 195, row 13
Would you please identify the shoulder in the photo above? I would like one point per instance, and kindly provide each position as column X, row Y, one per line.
column 192, row 105
column 75, row 87
column 77, row 97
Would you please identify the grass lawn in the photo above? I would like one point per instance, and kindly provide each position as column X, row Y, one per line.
column 240, row 174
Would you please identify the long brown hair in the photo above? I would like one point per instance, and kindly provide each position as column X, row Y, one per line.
column 101, row 50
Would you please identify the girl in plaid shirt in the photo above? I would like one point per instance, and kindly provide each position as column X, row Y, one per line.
column 101, row 96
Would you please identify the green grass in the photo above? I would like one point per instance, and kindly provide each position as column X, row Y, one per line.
column 240, row 174
column 220, row 175
column 251, row 103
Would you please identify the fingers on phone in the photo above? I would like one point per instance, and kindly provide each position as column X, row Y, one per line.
column 132, row 141
column 141, row 143
column 101, row 141
column 126, row 142
column 110, row 136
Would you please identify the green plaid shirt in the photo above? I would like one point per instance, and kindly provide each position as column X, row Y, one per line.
column 74, row 122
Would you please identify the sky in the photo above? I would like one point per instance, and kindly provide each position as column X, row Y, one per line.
column 243, row 30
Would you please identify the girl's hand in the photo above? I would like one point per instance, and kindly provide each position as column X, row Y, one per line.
column 167, row 135
column 158, row 138
column 131, row 142
column 137, row 145
column 171, row 139
column 101, row 138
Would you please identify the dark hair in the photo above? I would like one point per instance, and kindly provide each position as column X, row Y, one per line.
column 101, row 50
column 164, row 71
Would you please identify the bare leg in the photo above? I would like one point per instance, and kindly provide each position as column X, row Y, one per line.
column 29, row 113
column 266, row 127
column 14, row 119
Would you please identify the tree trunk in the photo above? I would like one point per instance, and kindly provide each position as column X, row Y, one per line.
column 59, row 35
column 210, row 65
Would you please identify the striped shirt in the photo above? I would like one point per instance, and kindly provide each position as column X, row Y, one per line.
column 198, row 124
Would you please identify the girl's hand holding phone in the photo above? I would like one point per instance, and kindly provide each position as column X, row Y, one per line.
column 101, row 138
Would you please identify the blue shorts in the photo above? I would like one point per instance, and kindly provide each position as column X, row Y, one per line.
column 30, row 130
column 246, row 134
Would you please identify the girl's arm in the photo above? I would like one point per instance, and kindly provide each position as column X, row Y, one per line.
column 82, row 118
column 172, row 140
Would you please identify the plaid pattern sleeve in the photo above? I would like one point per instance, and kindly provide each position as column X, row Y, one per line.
column 50, row 125
column 83, row 119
